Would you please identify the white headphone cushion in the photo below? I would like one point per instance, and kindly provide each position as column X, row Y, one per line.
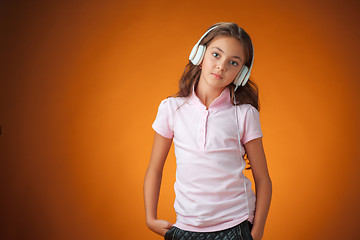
column 240, row 77
column 245, row 79
column 193, row 52
column 199, row 55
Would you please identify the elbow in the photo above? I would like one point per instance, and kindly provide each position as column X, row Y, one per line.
column 269, row 182
column 265, row 180
column 264, row 183
column 269, row 186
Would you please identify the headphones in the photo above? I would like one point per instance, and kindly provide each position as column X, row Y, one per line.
column 198, row 52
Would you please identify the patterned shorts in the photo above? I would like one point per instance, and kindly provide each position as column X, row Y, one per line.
column 241, row 231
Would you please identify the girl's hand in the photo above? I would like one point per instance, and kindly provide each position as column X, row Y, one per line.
column 256, row 235
column 159, row 226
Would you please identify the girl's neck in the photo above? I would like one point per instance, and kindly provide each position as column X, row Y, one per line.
column 207, row 94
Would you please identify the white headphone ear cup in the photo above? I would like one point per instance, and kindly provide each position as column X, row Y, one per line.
column 193, row 52
column 240, row 77
column 245, row 79
column 236, row 80
column 199, row 55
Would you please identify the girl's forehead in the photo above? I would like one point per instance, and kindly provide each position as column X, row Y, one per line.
column 227, row 44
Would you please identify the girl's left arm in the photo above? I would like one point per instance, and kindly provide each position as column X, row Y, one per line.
column 263, row 186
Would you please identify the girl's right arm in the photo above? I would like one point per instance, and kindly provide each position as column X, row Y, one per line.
column 152, row 182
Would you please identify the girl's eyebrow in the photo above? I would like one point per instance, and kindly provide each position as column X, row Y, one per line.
column 232, row 56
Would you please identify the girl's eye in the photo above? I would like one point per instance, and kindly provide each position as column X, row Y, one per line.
column 216, row 55
column 233, row 63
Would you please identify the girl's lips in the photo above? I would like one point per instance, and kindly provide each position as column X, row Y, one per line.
column 217, row 76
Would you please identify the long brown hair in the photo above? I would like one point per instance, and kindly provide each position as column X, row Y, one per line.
column 244, row 94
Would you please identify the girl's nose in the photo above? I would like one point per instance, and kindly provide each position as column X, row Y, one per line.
column 220, row 66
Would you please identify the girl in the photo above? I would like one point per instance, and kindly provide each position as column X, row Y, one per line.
column 214, row 122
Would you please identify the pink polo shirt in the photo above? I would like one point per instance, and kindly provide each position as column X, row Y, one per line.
column 211, row 190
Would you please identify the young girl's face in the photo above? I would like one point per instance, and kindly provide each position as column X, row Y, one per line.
column 223, row 60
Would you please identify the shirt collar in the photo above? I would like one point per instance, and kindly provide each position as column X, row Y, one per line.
column 221, row 101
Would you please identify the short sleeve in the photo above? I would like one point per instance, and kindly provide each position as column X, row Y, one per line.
column 163, row 121
column 252, row 127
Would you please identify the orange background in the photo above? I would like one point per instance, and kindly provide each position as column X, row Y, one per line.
column 81, row 82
